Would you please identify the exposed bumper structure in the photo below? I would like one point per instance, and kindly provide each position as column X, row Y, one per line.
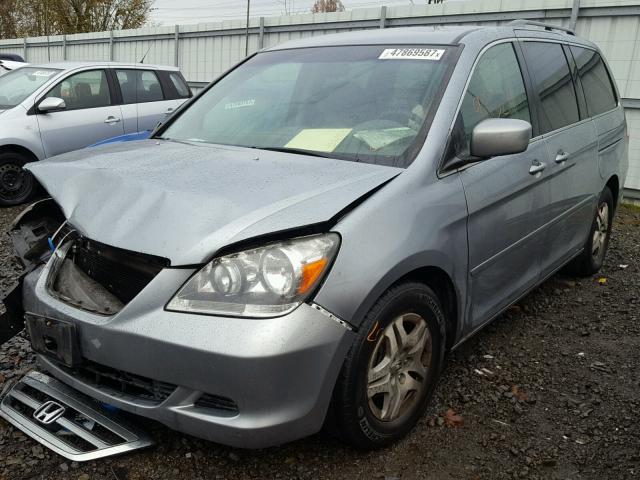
column 278, row 373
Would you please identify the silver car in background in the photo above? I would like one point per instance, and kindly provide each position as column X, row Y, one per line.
column 49, row 109
column 7, row 66
column 302, row 243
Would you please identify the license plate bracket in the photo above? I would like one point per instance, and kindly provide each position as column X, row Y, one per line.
column 55, row 338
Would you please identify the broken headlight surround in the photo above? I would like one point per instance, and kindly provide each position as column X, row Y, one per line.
column 263, row 282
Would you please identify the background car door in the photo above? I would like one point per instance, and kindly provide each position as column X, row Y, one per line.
column 506, row 195
column 572, row 152
column 89, row 116
column 143, row 89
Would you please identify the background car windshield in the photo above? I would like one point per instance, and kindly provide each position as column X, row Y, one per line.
column 367, row 104
column 18, row 84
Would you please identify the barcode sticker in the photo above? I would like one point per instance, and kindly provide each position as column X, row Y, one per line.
column 411, row 54
column 43, row 73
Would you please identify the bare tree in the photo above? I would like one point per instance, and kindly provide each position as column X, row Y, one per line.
column 20, row 18
column 321, row 6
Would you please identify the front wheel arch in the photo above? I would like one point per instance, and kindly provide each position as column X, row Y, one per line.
column 433, row 276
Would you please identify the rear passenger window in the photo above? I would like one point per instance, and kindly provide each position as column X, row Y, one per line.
column 181, row 87
column 496, row 90
column 595, row 80
column 552, row 81
column 139, row 86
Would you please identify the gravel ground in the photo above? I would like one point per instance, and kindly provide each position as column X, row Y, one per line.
column 549, row 390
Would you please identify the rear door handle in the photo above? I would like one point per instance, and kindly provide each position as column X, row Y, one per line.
column 536, row 167
column 562, row 157
column 111, row 120
column 169, row 111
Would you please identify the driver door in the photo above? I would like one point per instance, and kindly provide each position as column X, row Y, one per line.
column 89, row 116
column 506, row 195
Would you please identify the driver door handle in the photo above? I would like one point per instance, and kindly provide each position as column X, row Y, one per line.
column 169, row 111
column 110, row 119
column 536, row 167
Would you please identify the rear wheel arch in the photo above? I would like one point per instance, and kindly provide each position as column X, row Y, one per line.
column 614, row 185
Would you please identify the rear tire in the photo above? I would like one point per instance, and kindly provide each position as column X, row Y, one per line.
column 16, row 184
column 595, row 248
column 392, row 368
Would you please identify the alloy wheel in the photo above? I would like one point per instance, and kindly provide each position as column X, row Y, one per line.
column 599, row 241
column 398, row 367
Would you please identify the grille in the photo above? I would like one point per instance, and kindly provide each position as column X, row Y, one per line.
column 67, row 421
column 121, row 272
column 118, row 382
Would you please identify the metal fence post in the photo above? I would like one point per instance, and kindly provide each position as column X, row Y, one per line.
column 383, row 16
column 176, row 54
column 24, row 48
column 111, row 45
column 575, row 11
column 64, row 47
column 261, row 37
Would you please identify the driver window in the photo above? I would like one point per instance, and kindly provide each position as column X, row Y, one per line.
column 83, row 90
column 496, row 90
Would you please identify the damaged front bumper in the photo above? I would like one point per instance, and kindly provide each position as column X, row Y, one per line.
column 241, row 382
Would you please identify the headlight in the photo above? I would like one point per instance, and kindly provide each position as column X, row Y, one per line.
column 263, row 282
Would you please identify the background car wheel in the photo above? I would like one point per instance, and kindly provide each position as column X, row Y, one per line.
column 16, row 184
column 595, row 249
column 392, row 368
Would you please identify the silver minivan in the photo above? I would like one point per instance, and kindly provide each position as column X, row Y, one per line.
column 49, row 109
column 302, row 243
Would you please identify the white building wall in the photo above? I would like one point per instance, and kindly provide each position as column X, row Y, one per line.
column 206, row 50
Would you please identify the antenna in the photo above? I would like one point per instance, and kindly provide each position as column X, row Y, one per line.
column 145, row 55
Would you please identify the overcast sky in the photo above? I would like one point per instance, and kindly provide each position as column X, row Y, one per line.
column 166, row 12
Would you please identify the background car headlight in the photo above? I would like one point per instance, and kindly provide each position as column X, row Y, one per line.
column 262, row 282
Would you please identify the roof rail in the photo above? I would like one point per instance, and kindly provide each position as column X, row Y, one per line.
column 546, row 26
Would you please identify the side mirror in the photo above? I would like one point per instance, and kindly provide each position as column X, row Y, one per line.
column 500, row 136
column 51, row 104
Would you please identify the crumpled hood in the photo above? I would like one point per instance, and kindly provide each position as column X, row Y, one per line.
column 184, row 202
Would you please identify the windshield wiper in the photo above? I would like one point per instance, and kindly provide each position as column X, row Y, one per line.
column 300, row 151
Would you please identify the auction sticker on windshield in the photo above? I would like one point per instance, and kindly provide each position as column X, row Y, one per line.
column 411, row 54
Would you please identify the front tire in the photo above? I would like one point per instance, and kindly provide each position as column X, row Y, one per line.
column 392, row 368
column 16, row 184
column 592, row 257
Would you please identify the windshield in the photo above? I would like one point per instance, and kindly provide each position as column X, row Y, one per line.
column 18, row 84
column 364, row 103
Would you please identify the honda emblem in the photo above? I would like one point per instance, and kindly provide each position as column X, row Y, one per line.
column 48, row 412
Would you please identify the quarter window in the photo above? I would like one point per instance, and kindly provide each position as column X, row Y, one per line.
column 181, row 87
column 552, row 80
column 496, row 90
column 83, row 90
column 139, row 86
column 596, row 82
